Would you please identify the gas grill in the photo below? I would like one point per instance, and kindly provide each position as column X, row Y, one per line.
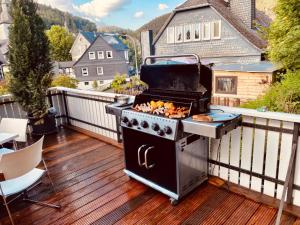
column 170, row 154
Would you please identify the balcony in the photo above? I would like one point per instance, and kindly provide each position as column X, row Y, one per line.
column 85, row 159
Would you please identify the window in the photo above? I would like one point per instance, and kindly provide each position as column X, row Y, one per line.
column 197, row 30
column 85, row 71
column 101, row 82
column 100, row 70
column 171, row 35
column 86, row 83
column 226, row 85
column 92, row 55
column 206, row 31
column 216, row 30
column 100, row 54
column 126, row 55
column 109, row 54
column 187, row 33
column 179, row 34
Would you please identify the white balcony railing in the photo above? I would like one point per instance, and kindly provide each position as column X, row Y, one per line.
column 255, row 155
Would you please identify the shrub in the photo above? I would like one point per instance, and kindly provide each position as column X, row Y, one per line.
column 64, row 80
column 281, row 97
column 3, row 87
column 118, row 82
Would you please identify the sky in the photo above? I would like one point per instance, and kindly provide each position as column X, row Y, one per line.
column 122, row 13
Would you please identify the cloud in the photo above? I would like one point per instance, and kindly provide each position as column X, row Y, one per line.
column 139, row 14
column 162, row 6
column 93, row 9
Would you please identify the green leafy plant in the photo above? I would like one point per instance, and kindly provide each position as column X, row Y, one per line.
column 282, row 97
column 3, row 87
column 118, row 83
column 61, row 42
column 64, row 80
column 30, row 65
column 95, row 85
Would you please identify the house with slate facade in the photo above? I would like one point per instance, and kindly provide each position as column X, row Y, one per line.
column 98, row 57
column 223, row 33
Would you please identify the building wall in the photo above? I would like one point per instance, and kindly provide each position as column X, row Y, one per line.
column 118, row 64
column 79, row 47
column 88, row 85
column 245, row 10
column 231, row 48
column 249, row 85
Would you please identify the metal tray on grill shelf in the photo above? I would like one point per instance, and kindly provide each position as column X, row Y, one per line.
column 221, row 126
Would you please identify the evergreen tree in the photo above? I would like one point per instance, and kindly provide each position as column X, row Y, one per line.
column 61, row 42
column 30, row 65
column 284, row 35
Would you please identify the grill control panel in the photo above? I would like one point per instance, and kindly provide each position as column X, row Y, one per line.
column 151, row 124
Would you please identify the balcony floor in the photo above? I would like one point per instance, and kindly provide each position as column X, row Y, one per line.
column 94, row 190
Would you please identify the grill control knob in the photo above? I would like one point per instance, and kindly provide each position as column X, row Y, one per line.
column 168, row 130
column 134, row 122
column 161, row 133
column 155, row 127
column 129, row 124
column 144, row 124
column 125, row 119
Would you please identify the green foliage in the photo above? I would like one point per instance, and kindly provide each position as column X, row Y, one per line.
column 52, row 16
column 64, row 80
column 131, row 53
column 281, row 97
column 61, row 42
column 3, row 87
column 95, row 85
column 29, row 58
column 284, row 35
column 118, row 82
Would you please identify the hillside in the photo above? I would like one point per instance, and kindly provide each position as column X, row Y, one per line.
column 56, row 17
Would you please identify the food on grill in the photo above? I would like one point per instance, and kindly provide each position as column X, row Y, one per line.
column 202, row 118
column 167, row 109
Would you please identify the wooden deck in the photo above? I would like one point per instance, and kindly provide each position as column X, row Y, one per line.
column 94, row 190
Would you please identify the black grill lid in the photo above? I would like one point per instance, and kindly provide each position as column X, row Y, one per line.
column 181, row 77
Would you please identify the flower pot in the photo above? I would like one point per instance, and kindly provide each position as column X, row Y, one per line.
column 44, row 125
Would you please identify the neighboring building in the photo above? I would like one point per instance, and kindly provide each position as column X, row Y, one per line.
column 98, row 56
column 64, row 68
column 223, row 33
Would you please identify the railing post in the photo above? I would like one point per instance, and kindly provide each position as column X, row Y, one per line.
column 66, row 107
column 290, row 175
column 118, row 129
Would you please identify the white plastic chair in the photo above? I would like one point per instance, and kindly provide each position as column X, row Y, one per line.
column 16, row 126
column 18, row 173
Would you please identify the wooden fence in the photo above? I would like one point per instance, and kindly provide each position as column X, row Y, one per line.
column 255, row 155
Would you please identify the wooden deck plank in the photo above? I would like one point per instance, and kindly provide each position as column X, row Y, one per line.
column 93, row 189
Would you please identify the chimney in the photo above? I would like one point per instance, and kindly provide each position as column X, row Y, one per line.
column 245, row 10
column 146, row 43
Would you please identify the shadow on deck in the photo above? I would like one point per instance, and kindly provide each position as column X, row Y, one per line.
column 94, row 190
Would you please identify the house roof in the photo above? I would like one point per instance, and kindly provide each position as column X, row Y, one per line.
column 221, row 7
column 112, row 39
column 263, row 66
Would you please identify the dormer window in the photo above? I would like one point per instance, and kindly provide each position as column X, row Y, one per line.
column 109, row 54
column 206, row 31
column 92, row 55
column 179, row 34
column 188, row 33
column 100, row 54
column 216, row 30
column 197, row 32
column 171, row 35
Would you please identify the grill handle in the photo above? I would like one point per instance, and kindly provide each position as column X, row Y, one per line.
column 172, row 56
column 139, row 155
column 148, row 167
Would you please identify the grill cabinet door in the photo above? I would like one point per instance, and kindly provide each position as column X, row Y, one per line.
column 162, row 155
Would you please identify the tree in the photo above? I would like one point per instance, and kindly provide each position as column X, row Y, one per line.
column 131, row 53
column 29, row 58
column 64, row 80
column 284, row 35
column 61, row 42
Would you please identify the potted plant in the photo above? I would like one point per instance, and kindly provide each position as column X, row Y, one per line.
column 30, row 65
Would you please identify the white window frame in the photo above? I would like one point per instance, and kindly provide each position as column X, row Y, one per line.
column 100, row 54
column 186, row 28
column 86, row 83
column 92, row 54
column 101, row 70
column 171, row 35
column 85, row 71
column 213, row 29
column 178, row 30
column 126, row 54
column 208, row 32
column 111, row 53
column 197, row 25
